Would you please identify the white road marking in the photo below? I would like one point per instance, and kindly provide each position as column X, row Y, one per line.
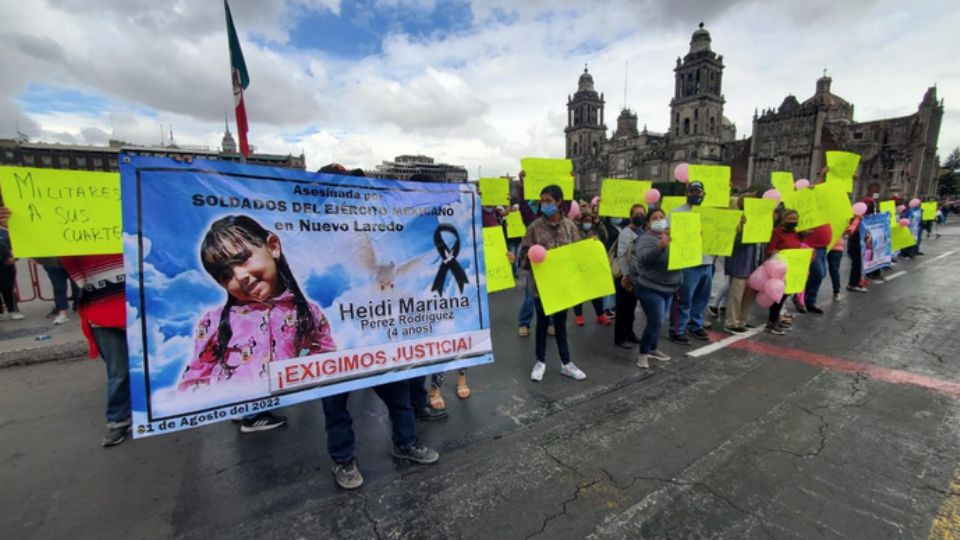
column 894, row 275
column 723, row 343
column 938, row 257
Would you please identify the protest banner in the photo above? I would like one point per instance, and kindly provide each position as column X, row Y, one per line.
column 835, row 207
column 251, row 288
column 782, row 181
column 716, row 184
column 494, row 191
column 929, row 210
column 901, row 238
column 618, row 195
column 843, row 165
column 915, row 223
column 499, row 270
column 515, row 226
column 875, row 245
column 542, row 172
column 718, row 228
column 890, row 207
column 668, row 203
column 798, row 268
column 56, row 212
column 686, row 248
column 807, row 204
column 759, row 225
column 573, row 274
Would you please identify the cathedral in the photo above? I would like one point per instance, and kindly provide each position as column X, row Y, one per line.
column 898, row 154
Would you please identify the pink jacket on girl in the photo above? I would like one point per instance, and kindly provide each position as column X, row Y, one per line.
column 261, row 333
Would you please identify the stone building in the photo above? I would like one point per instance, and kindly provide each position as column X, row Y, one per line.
column 405, row 166
column 898, row 154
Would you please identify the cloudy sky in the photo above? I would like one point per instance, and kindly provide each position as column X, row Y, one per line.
column 480, row 83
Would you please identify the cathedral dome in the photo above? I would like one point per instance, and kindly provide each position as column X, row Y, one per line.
column 586, row 81
column 700, row 41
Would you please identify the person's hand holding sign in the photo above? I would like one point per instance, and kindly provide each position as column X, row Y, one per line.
column 664, row 241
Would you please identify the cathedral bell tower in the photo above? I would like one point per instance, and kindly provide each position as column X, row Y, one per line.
column 586, row 132
column 696, row 110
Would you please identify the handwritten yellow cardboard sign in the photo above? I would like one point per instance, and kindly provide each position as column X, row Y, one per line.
column 891, row 208
column 617, row 195
column 718, row 228
column 716, row 184
column 759, row 225
column 835, row 206
column 542, row 172
column 499, row 272
column 807, row 204
column 686, row 246
column 57, row 212
column 782, row 181
column 515, row 226
column 901, row 237
column 670, row 202
column 573, row 274
column 495, row 191
column 929, row 210
column 843, row 165
column 798, row 268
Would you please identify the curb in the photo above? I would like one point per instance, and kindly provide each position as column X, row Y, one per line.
column 44, row 354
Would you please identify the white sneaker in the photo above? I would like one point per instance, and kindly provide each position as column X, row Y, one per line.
column 643, row 362
column 573, row 372
column 538, row 369
column 62, row 318
column 657, row 354
column 17, row 316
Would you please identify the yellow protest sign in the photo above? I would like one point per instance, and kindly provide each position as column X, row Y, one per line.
column 718, row 228
column 716, row 184
column 929, row 210
column 499, row 272
column 57, row 212
column 807, row 204
column 495, row 191
column 542, row 172
column 901, row 237
column 835, row 207
column 573, row 274
column 783, row 182
column 515, row 226
column 798, row 267
column 617, row 195
column 759, row 225
column 670, row 202
column 686, row 248
column 891, row 208
column 843, row 165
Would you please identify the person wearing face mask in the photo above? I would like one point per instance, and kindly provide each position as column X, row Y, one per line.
column 551, row 230
column 590, row 227
column 626, row 302
column 653, row 283
column 694, row 293
column 784, row 237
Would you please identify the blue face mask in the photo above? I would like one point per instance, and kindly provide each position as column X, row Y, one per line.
column 548, row 210
column 694, row 199
column 587, row 226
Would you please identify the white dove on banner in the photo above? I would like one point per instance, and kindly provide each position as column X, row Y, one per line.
column 387, row 273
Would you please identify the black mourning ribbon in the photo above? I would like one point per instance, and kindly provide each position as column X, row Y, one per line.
column 448, row 259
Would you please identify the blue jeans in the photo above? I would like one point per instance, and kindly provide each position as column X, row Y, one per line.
column 112, row 343
column 526, row 307
column 818, row 271
column 341, row 442
column 559, row 321
column 655, row 305
column 834, row 258
column 59, row 279
column 694, row 295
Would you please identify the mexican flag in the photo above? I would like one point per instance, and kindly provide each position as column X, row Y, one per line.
column 241, row 79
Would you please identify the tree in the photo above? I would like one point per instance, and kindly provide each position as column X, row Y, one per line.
column 950, row 177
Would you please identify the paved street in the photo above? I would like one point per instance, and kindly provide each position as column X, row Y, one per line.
column 846, row 428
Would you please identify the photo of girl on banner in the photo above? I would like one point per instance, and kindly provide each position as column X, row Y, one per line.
column 265, row 317
column 875, row 245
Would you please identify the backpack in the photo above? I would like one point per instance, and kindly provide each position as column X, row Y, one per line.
column 614, row 261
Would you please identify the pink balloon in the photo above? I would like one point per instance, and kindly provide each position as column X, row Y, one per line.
column 682, row 173
column 763, row 300
column 595, row 201
column 859, row 209
column 774, row 288
column 904, row 222
column 775, row 268
column 652, row 195
column 537, row 253
column 757, row 279
column 771, row 194
column 914, row 203
column 574, row 210
column 901, row 208
column 801, row 183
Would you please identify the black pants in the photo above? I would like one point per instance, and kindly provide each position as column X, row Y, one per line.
column 856, row 263
column 597, row 307
column 8, row 278
column 775, row 310
column 625, row 310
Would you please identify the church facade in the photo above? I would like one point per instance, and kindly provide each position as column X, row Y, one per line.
column 898, row 154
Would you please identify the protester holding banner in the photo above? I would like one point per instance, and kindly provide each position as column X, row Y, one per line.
column 852, row 235
column 623, row 335
column 653, row 284
column 739, row 265
column 590, row 227
column 819, row 239
column 551, row 230
column 694, row 292
column 784, row 237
